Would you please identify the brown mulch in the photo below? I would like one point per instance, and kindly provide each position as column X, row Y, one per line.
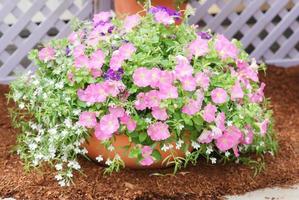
column 203, row 181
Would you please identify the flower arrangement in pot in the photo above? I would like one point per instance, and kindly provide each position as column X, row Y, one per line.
column 140, row 92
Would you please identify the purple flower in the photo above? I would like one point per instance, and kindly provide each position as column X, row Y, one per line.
column 67, row 51
column 114, row 75
column 204, row 35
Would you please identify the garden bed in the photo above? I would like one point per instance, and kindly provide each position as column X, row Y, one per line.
column 195, row 182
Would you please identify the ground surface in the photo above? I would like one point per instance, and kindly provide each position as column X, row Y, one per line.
column 203, row 181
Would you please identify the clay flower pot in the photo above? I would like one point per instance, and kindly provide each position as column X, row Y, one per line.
column 120, row 142
column 130, row 7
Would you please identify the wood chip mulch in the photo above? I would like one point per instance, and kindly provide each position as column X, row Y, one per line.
column 203, row 181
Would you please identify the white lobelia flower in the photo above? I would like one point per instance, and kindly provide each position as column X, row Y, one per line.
column 180, row 127
column 229, row 123
column 76, row 112
column 74, row 164
column 22, row 105
column 213, row 160
column 108, row 162
column 32, row 146
column 195, row 145
column 111, row 148
column 179, row 144
column 58, row 177
column 99, row 158
column 148, row 120
column 227, row 153
column 58, row 166
column 52, row 131
column 68, row 122
column 209, row 150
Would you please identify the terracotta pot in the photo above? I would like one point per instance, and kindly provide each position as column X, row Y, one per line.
column 130, row 7
column 95, row 148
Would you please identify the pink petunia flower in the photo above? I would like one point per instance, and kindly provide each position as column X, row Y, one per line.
column 245, row 70
column 131, row 21
column 153, row 98
column 216, row 132
column 117, row 111
column 116, row 60
column 155, row 76
column 202, row 80
column 129, row 122
column 158, row 131
column 88, row 119
column 74, row 38
column 205, row 137
column 163, row 17
column 188, row 83
column 147, row 161
column 219, row 96
column 109, row 124
column 225, row 48
column 81, row 61
column 126, row 50
column 100, row 134
column 192, row 107
column 166, row 79
column 183, row 68
column 230, row 138
column 79, row 51
column 146, row 151
column 264, row 127
column 102, row 17
column 220, row 121
column 93, row 93
column 96, row 60
column 248, row 135
column 209, row 113
column 170, row 92
column 141, row 102
column 142, row 77
column 198, row 47
column 46, row 54
column 258, row 96
column 159, row 113
column 113, row 88
column 236, row 91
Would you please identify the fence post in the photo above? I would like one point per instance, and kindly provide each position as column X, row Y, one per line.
column 102, row 5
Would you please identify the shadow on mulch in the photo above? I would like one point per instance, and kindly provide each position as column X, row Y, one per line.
column 203, row 181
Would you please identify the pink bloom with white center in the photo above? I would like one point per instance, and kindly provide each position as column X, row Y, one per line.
column 88, row 119
column 236, row 91
column 183, row 68
column 198, row 47
column 209, row 113
column 192, row 107
column 70, row 77
column 258, row 96
column 188, row 83
column 216, row 132
column 73, row 38
column 93, row 38
column 117, row 111
column 202, row 80
column 97, row 60
column 102, row 17
column 109, row 124
column 219, row 96
column 79, row 51
column 46, row 54
column 142, row 77
column 230, row 138
column 116, row 60
column 93, row 93
column 155, row 76
column 159, row 113
column 153, row 99
column 163, row 17
column 220, row 121
column 248, row 135
column 264, row 127
column 129, row 122
column 168, row 93
column 146, row 151
column 131, row 21
column 81, row 61
column 205, row 137
column 113, row 88
column 126, row 50
column 158, row 131
column 100, row 134
column 166, row 79
column 96, row 72
column 141, row 102
column 225, row 48
column 147, row 161
column 245, row 70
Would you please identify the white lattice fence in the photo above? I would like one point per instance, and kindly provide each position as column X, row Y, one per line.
column 24, row 24
column 269, row 29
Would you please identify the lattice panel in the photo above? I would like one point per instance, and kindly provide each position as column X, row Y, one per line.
column 269, row 29
column 24, row 24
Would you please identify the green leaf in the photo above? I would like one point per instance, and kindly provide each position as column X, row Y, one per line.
column 134, row 153
column 156, row 154
column 142, row 137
